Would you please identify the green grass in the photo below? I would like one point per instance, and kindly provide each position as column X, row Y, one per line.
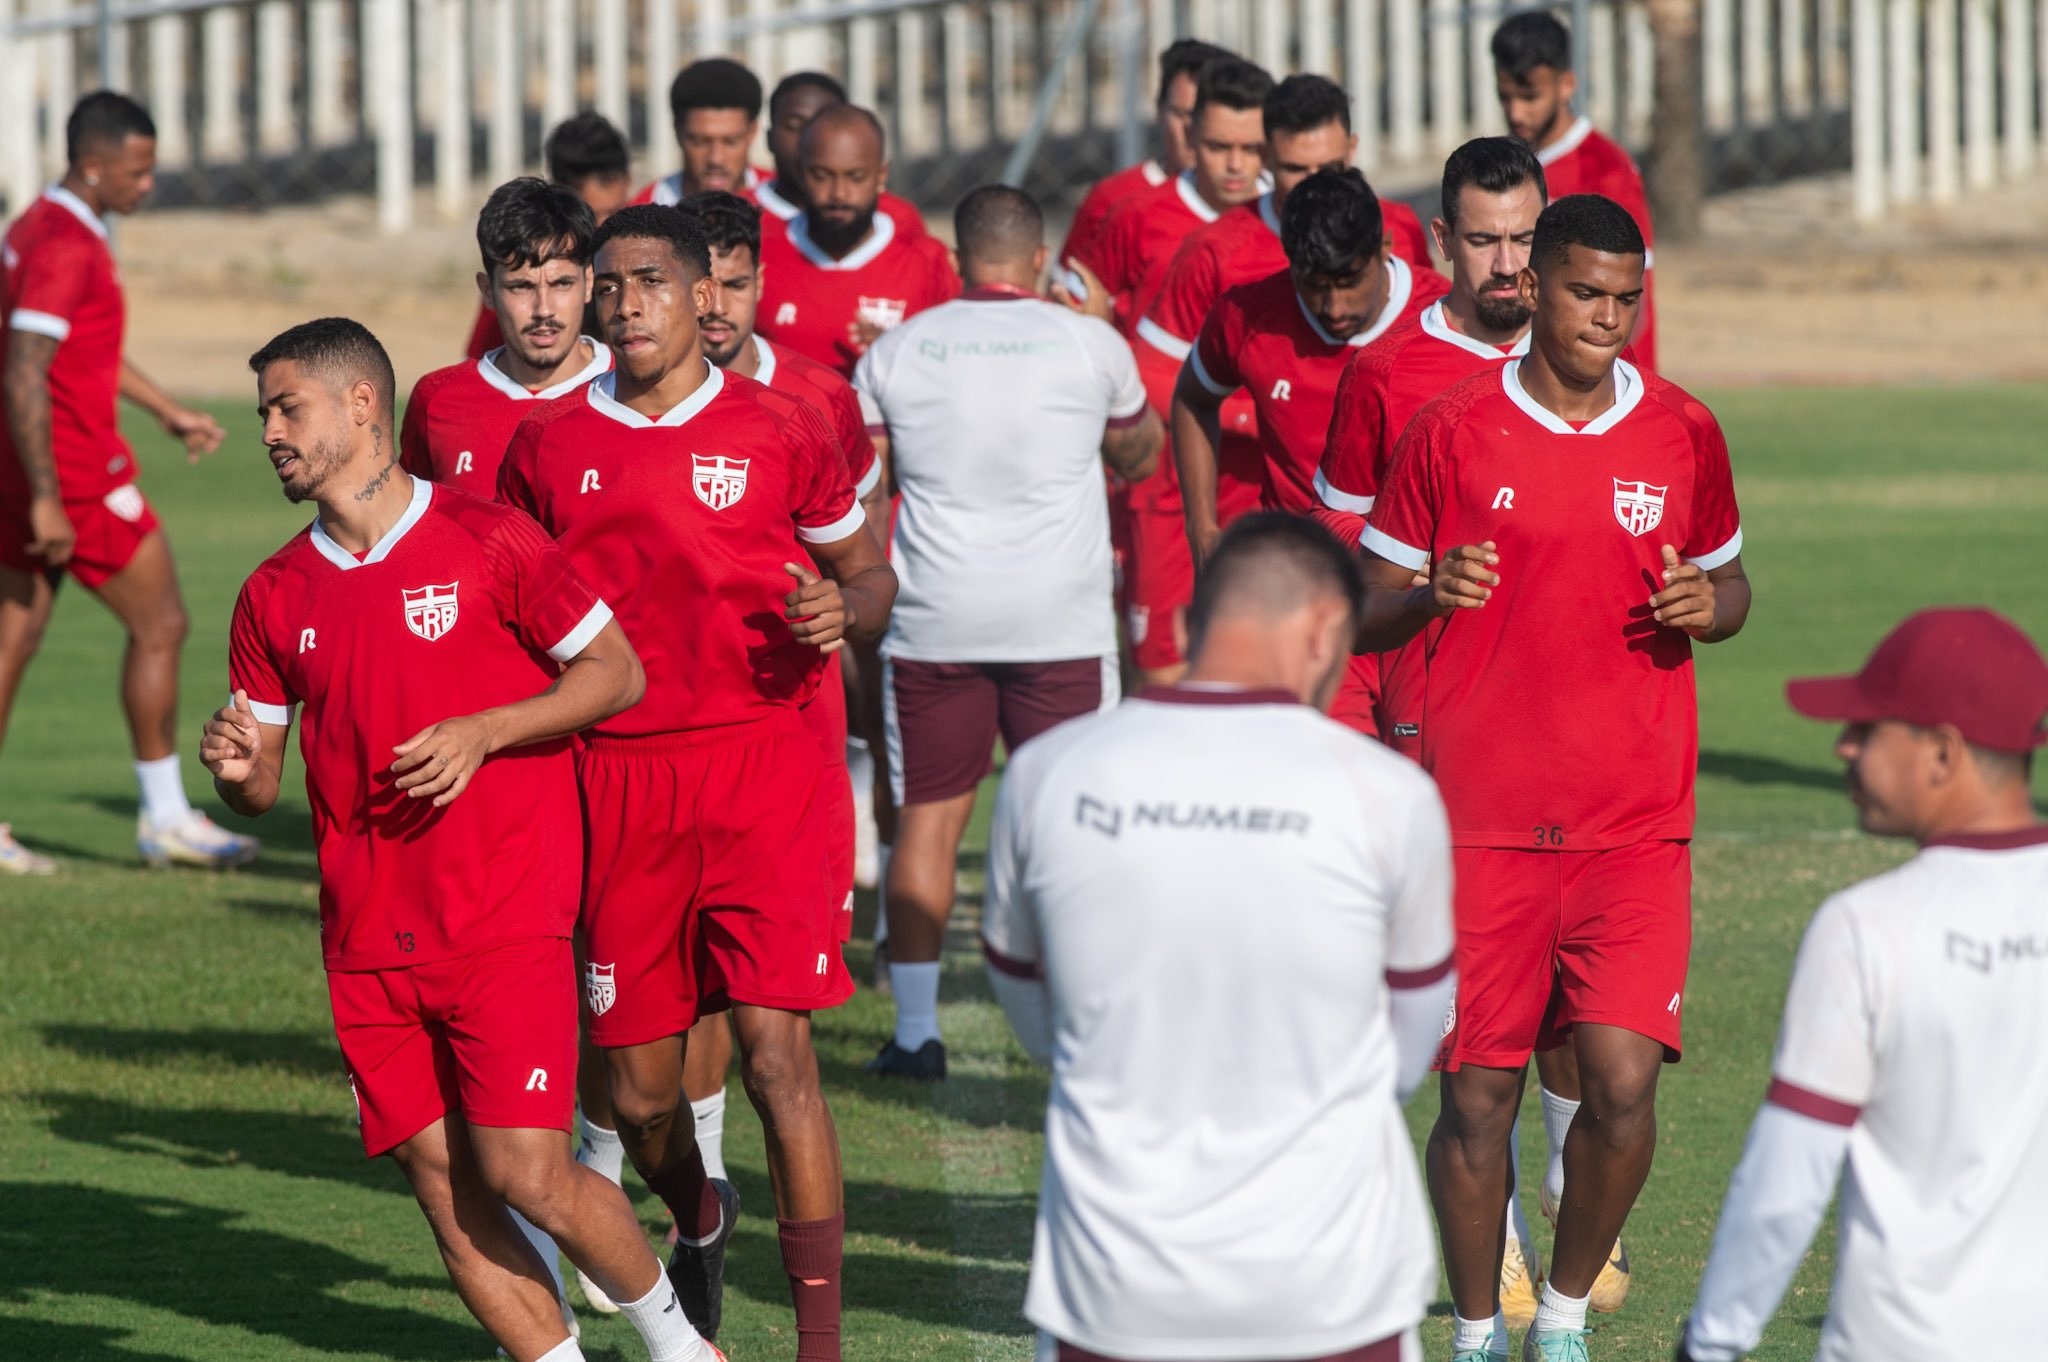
column 179, row 1171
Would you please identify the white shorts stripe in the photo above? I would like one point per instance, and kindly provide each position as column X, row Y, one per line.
column 892, row 732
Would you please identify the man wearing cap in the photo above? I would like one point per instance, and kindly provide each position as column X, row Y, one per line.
column 1911, row 1042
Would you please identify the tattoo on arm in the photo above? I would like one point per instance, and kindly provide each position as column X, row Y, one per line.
column 1131, row 451
column 28, row 408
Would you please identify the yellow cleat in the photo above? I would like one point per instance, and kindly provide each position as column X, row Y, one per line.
column 1521, row 1278
column 1610, row 1288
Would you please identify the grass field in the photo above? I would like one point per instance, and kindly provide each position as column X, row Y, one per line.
column 179, row 1170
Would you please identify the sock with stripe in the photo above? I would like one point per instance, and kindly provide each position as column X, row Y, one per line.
column 685, row 1188
column 811, row 1255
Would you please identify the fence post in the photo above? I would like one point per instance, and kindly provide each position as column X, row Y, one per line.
column 508, row 127
column 1717, row 52
column 167, row 91
column 1446, row 74
column 1404, row 79
column 1795, row 79
column 17, row 115
column 863, row 59
column 1318, row 41
column 657, row 68
column 1597, row 54
column 1866, row 108
column 1980, row 147
column 558, row 62
column 1130, row 82
column 714, row 32
column 451, row 116
column 2019, row 89
column 387, row 48
column 1271, row 24
column 276, row 131
column 60, row 85
column 326, row 112
column 1943, row 171
column 1756, row 62
column 221, row 43
column 1362, row 75
column 1902, row 99
column 614, row 98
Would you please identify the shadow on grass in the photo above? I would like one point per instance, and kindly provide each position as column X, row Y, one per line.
column 305, row 1146
column 42, row 1338
column 199, row 1263
column 287, row 839
column 309, row 1054
column 1748, row 768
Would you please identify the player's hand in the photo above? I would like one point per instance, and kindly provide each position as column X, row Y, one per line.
column 1687, row 600
column 231, row 741
column 437, row 762
column 1465, row 578
column 51, row 534
column 1095, row 304
column 199, row 432
column 816, row 610
column 1202, row 541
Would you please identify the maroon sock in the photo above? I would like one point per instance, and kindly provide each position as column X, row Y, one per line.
column 687, row 1192
column 810, row 1255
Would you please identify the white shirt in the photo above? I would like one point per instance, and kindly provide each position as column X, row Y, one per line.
column 995, row 405
column 1913, row 1028
column 1219, row 887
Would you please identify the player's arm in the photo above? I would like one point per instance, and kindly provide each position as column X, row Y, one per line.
column 852, row 599
column 1398, row 607
column 1131, row 447
column 1711, row 604
column 245, row 755
column 27, row 384
column 1197, row 434
column 196, row 430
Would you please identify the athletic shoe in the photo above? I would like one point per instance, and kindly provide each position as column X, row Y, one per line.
column 1610, row 1288
column 1555, row 1345
column 1520, row 1277
column 16, row 859
column 1485, row 1352
column 927, row 1063
column 194, row 839
column 594, row 1296
column 697, row 1271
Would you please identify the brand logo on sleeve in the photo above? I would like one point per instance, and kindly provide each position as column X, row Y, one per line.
column 786, row 315
column 1504, row 500
column 430, row 611
column 1283, row 391
column 718, row 480
column 464, row 463
column 1638, row 506
column 600, row 987
column 590, row 481
column 305, row 640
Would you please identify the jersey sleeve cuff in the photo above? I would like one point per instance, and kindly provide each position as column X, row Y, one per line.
column 870, row 479
column 1162, row 340
column 577, row 639
column 39, row 323
column 1007, row 964
column 838, row 529
column 277, row 716
column 1393, row 550
column 1340, row 501
column 1707, row 562
column 1201, row 373
column 1810, row 1104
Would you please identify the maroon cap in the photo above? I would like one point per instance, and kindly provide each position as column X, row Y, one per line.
column 1971, row 668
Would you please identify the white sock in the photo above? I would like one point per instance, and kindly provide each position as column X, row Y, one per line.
column 882, row 852
column 601, row 1150
column 543, row 1244
column 1491, row 1334
column 917, row 1002
column 661, row 1324
column 860, row 765
column 1557, row 1123
column 163, row 790
column 568, row 1350
column 1558, row 1311
column 710, row 1114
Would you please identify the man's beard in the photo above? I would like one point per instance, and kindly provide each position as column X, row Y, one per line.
column 316, row 466
column 1499, row 314
column 724, row 354
column 837, row 237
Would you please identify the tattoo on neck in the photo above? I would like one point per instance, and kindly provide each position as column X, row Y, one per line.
column 383, row 475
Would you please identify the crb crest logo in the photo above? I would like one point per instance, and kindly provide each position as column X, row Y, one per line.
column 717, row 480
column 600, row 987
column 1638, row 506
column 430, row 611
column 881, row 313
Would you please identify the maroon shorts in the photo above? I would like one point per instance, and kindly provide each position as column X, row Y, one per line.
column 825, row 717
column 110, row 530
column 491, row 1035
column 707, row 880
column 942, row 719
column 1548, row 939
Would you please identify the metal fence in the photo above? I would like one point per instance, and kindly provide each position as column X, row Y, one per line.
column 264, row 101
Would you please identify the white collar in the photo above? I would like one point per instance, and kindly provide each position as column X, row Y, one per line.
column 772, row 202
column 1184, row 185
column 1400, row 288
column 764, row 371
column 75, row 206
column 422, row 495
column 1154, row 173
column 605, row 404
column 487, row 369
column 1564, row 146
column 1436, row 324
column 879, row 237
column 1628, row 391
column 1267, row 213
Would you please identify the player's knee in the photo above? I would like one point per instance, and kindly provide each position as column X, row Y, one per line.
column 1477, row 1111
column 165, row 628
column 780, row 1073
column 1623, row 1108
column 640, row 1108
column 533, row 1187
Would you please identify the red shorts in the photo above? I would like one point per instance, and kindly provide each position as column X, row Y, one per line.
column 110, row 530
column 942, row 719
column 491, row 1035
column 1159, row 582
column 706, row 878
column 825, row 717
column 1357, row 705
column 1402, row 675
column 1548, row 939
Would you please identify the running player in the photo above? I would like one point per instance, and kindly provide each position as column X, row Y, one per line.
column 68, row 499
column 716, row 104
column 1532, row 63
column 694, row 497
column 799, row 98
column 447, row 885
column 1581, row 522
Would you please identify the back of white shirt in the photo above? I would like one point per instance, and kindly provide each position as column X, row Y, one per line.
column 1217, row 885
column 995, row 406
column 1917, row 1012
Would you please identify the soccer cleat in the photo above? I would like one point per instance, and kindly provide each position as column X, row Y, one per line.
column 594, row 1296
column 927, row 1063
column 1610, row 1288
column 1485, row 1352
column 194, row 839
column 1554, row 1345
column 16, row 859
column 1520, row 1277
column 697, row 1271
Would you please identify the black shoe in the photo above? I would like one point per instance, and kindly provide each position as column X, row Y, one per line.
column 927, row 1063
column 697, row 1271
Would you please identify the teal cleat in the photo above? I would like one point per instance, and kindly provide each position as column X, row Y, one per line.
column 1554, row 1345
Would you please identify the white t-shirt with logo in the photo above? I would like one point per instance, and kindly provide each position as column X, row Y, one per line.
column 1218, row 886
column 995, row 406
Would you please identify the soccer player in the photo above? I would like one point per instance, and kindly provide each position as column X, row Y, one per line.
column 1902, row 1056
column 798, row 98
column 1580, row 522
column 589, row 155
column 716, row 104
column 1002, row 410
column 693, row 498
column 1532, row 63
column 1227, row 1174
column 68, row 499
column 841, row 273
column 445, row 651
column 535, row 241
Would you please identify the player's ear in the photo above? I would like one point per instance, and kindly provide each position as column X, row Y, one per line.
column 1038, row 258
column 1440, row 233
column 362, row 401
column 882, row 179
column 1567, row 86
column 483, row 289
column 1526, row 285
column 589, row 284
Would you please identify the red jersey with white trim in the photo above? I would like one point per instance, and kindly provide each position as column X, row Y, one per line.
column 486, row 335
column 1262, row 338
column 668, row 190
column 777, row 212
column 816, row 305
column 1136, row 245
column 1559, row 715
column 459, row 420
column 1584, row 161
column 1102, row 199
column 685, row 520
column 786, row 371
column 58, row 279
column 462, row 606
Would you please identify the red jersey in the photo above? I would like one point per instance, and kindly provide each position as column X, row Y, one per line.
column 668, row 190
column 462, row 606
column 459, row 420
column 57, row 279
column 778, row 212
column 1102, row 199
column 1559, row 715
column 1262, row 338
column 786, row 371
column 814, row 304
column 686, row 520
column 1136, row 244
column 485, row 335
column 1587, row 162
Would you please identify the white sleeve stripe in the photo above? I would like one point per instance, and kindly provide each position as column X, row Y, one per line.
column 1201, row 374
column 870, row 479
column 577, row 639
column 1162, row 340
column 39, row 323
column 837, row 530
column 1392, row 549
column 277, row 716
column 1707, row 562
column 1340, row 501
